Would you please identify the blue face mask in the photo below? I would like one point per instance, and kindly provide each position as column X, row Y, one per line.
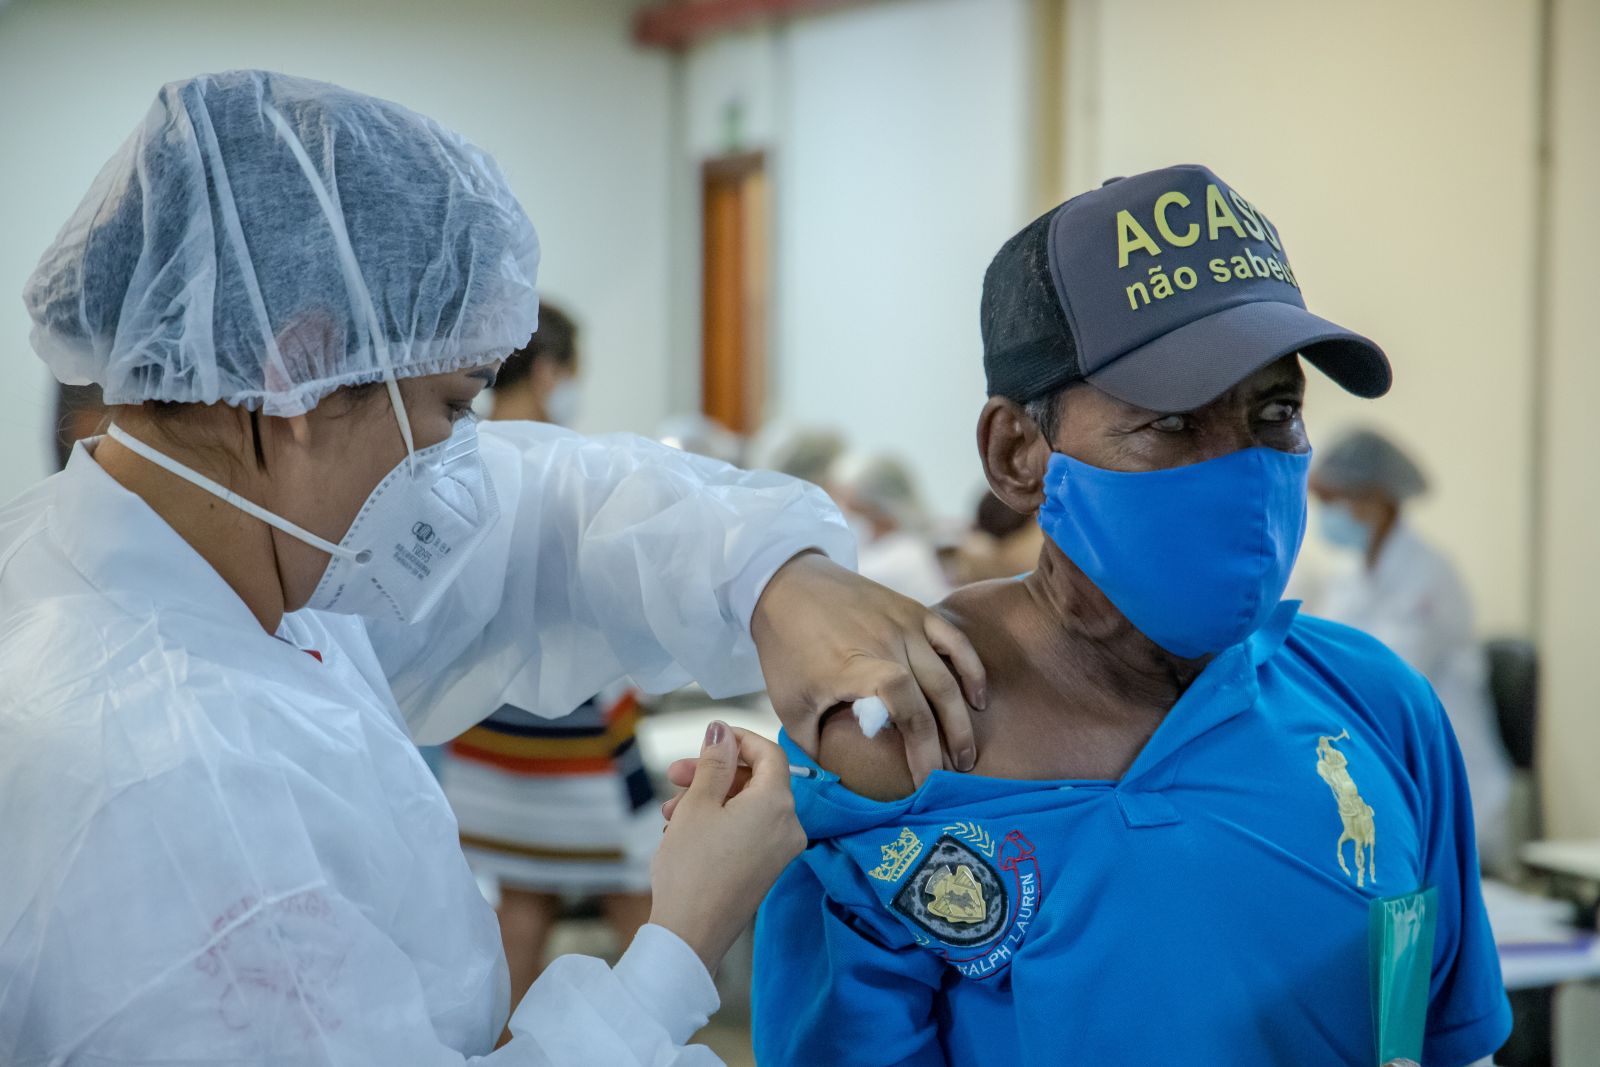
column 1339, row 526
column 1195, row 557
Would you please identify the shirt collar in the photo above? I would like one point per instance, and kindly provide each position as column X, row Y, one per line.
column 128, row 552
column 1227, row 688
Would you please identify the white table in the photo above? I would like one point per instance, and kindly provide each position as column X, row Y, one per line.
column 678, row 733
column 1572, row 859
column 1529, row 966
column 1539, row 945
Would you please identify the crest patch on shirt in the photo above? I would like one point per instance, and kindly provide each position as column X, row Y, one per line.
column 954, row 895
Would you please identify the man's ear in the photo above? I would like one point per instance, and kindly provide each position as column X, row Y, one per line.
column 1015, row 454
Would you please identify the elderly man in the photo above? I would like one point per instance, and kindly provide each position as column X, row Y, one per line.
column 1203, row 829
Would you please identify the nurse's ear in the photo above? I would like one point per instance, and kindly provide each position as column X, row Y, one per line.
column 1015, row 454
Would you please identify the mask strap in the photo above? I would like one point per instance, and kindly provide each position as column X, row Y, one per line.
column 401, row 417
column 167, row 463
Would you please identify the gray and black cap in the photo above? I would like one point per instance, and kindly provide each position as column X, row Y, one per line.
column 1165, row 290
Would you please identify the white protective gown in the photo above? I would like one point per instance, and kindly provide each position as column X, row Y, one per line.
column 221, row 847
column 1415, row 602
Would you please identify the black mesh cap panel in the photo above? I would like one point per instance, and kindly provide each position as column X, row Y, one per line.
column 1028, row 351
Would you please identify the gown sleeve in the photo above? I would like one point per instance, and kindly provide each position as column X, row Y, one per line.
column 613, row 557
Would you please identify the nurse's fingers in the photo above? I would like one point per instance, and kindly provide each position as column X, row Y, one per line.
column 681, row 772
column 953, row 645
column 896, row 685
column 767, row 762
column 763, row 765
column 719, row 760
column 944, row 695
column 684, row 769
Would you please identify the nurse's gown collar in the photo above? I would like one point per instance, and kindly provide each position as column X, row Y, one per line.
column 127, row 551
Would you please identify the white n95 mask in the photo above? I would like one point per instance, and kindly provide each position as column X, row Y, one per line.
column 409, row 541
column 564, row 402
column 413, row 535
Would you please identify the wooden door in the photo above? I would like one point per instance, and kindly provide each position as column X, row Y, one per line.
column 734, row 290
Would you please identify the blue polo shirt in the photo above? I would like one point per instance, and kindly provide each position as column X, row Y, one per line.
column 1211, row 907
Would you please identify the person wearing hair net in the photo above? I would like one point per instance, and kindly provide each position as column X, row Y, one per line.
column 880, row 502
column 1403, row 591
column 223, row 624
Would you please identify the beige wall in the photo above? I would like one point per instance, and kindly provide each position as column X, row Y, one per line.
column 1570, row 543
column 1393, row 145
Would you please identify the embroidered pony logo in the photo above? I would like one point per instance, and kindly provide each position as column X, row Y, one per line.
column 1354, row 813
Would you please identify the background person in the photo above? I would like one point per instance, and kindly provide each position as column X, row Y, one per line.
column 880, row 501
column 554, row 808
column 540, row 381
column 1001, row 544
column 1402, row 590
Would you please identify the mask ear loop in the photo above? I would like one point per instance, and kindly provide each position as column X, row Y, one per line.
column 402, row 418
column 167, row 463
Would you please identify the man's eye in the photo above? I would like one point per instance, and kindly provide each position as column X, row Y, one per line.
column 1170, row 424
column 1280, row 411
column 460, row 411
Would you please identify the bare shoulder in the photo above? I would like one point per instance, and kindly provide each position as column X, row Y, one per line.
column 875, row 767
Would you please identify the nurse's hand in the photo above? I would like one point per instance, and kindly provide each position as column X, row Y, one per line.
column 730, row 836
column 827, row 636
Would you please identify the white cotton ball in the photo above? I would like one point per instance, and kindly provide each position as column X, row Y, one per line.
column 872, row 715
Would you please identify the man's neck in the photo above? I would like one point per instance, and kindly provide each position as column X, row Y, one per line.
column 1075, row 690
column 1079, row 641
column 239, row 548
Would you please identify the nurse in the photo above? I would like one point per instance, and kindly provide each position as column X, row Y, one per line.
column 1402, row 590
column 224, row 624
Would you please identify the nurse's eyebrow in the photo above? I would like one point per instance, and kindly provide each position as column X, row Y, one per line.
column 487, row 375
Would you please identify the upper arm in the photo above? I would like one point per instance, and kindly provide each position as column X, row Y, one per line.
column 614, row 556
column 875, row 767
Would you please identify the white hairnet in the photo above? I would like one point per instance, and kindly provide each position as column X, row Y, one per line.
column 884, row 483
column 702, row 436
column 1365, row 459
column 808, row 454
column 263, row 240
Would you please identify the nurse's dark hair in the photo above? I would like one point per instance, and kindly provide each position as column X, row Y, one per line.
column 71, row 401
column 556, row 339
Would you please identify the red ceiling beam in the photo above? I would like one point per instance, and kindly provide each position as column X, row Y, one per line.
column 677, row 24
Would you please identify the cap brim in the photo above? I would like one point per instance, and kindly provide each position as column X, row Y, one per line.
column 1198, row 362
